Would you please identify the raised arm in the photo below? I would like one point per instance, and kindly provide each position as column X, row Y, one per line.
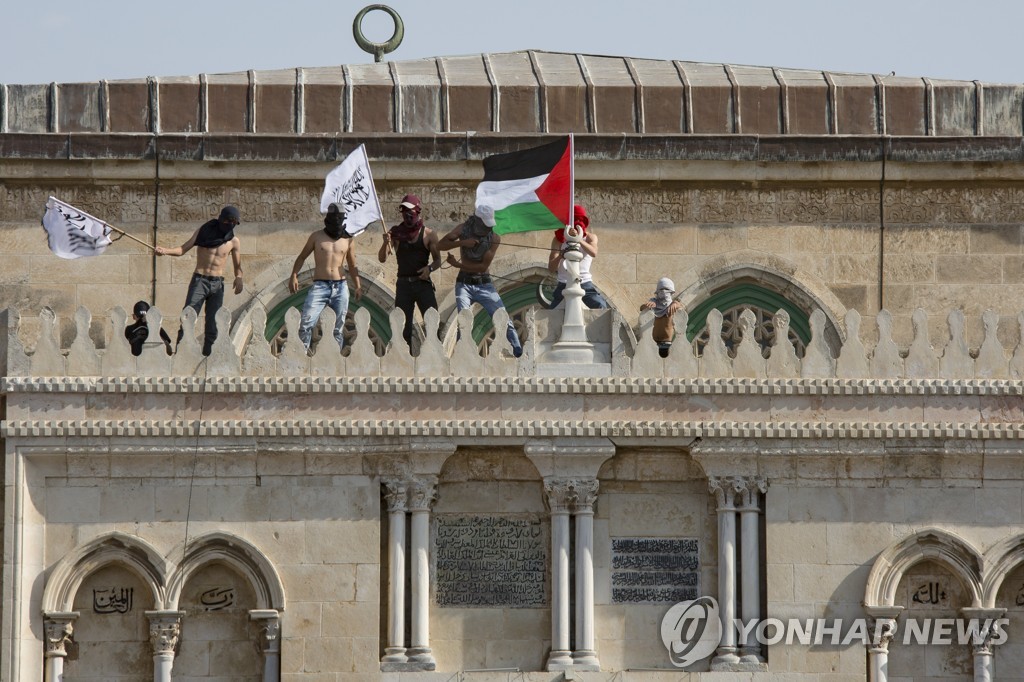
column 589, row 244
column 485, row 262
column 451, row 240
column 178, row 250
column 293, row 281
column 385, row 248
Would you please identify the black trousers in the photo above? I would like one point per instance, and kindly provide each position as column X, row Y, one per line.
column 417, row 293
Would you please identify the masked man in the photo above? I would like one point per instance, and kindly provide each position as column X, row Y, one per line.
column 413, row 244
column 332, row 248
column 592, row 298
column 214, row 242
column 477, row 243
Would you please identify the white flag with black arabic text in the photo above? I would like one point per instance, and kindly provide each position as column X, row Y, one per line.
column 72, row 233
column 350, row 185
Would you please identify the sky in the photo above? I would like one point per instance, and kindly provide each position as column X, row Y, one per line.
column 89, row 40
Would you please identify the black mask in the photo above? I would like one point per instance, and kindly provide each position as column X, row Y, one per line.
column 334, row 225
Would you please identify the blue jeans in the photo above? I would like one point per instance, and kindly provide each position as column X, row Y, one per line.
column 323, row 293
column 592, row 298
column 209, row 290
column 487, row 296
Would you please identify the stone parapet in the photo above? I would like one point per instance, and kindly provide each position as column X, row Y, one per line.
column 250, row 364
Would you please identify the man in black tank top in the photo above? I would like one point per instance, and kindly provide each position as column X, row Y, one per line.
column 413, row 244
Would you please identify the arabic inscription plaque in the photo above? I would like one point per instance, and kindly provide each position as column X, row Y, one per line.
column 655, row 570
column 483, row 561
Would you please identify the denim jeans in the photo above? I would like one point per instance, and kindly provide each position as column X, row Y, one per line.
column 209, row 290
column 592, row 298
column 487, row 296
column 324, row 293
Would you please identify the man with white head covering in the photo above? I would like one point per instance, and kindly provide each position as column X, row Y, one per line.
column 664, row 308
column 477, row 244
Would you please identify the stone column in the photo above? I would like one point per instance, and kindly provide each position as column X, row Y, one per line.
column 422, row 493
column 884, row 629
column 585, row 654
column 725, row 489
column 58, row 628
column 750, row 552
column 269, row 623
column 395, row 494
column 560, row 495
column 981, row 644
column 164, row 634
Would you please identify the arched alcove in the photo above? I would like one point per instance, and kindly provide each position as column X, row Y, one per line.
column 237, row 554
column 942, row 547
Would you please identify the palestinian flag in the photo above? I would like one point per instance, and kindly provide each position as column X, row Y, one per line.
column 530, row 189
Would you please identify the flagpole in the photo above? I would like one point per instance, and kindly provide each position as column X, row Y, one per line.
column 122, row 232
column 572, row 178
column 376, row 199
column 104, row 223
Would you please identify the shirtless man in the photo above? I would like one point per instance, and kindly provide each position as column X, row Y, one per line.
column 332, row 248
column 214, row 242
column 477, row 243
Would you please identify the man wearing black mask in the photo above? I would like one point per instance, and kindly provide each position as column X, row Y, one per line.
column 215, row 241
column 414, row 244
column 332, row 248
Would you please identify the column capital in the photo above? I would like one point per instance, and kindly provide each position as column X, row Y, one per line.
column 268, row 622
column 164, row 630
column 725, row 489
column 586, row 495
column 422, row 492
column 884, row 630
column 753, row 486
column 559, row 494
column 396, row 494
column 58, row 629
column 990, row 628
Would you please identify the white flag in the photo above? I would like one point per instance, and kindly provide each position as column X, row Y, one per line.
column 72, row 233
column 350, row 185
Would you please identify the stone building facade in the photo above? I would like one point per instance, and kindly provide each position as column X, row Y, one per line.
column 835, row 434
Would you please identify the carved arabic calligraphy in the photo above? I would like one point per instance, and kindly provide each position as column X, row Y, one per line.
column 490, row 561
column 112, row 600
column 217, row 598
column 655, row 570
column 930, row 593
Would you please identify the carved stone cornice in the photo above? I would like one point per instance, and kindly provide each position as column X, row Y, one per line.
column 501, row 428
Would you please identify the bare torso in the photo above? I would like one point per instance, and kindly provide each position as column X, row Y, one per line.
column 329, row 256
column 211, row 261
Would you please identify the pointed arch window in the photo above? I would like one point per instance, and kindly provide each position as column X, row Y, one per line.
column 763, row 302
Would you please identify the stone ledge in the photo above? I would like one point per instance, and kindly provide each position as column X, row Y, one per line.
column 457, row 428
column 505, row 385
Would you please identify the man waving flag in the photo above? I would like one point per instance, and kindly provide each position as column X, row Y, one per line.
column 350, row 185
column 530, row 189
column 72, row 233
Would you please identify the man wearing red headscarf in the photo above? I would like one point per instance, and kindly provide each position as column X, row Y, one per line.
column 592, row 298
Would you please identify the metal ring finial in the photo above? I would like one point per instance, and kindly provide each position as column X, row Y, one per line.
column 378, row 50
